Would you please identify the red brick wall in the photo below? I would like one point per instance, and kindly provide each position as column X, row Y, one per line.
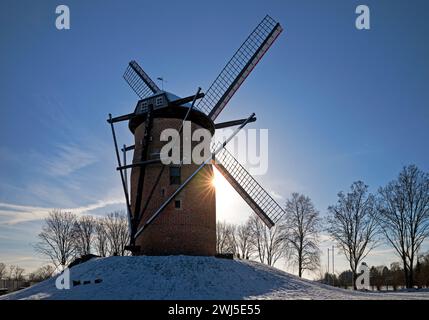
column 190, row 230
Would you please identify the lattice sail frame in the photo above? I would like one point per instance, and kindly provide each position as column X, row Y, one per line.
column 239, row 67
column 250, row 190
column 217, row 96
column 139, row 81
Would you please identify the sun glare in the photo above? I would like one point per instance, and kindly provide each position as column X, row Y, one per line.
column 219, row 181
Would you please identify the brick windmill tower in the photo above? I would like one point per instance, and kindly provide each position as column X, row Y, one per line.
column 172, row 208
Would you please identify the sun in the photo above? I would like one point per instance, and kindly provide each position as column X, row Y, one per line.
column 224, row 191
column 218, row 181
column 215, row 180
column 230, row 206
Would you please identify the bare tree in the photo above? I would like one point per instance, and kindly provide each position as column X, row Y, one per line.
column 232, row 239
column 267, row 243
column 404, row 216
column 258, row 237
column 422, row 271
column 56, row 239
column 221, row 238
column 101, row 243
column 275, row 244
column 11, row 275
column 42, row 273
column 11, row 272
column 225, row 238
column 352, row 224
column 243, row 240
column 2, row 270
column 19, row 273
column 117, row 232
column 16, row 273
column 396, row 275
column 301, row 226
column 84, row 230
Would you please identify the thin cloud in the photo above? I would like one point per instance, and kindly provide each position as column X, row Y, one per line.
column 28, row 262
column 383, row 252
column 67, row 159
column 13, row 214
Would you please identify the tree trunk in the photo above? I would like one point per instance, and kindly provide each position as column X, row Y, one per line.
column 354, row 280
column 411, row 278
column 406, row 274
column 354, row 266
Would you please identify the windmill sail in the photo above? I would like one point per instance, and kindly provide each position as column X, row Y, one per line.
column 248, row 188
column 239, row 67
column 139, row 81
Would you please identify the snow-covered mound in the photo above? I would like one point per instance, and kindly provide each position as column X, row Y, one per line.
column 186, row 277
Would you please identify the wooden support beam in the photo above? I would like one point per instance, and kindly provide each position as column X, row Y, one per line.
column 181, row 101
column 121, row 118
column 232, row 123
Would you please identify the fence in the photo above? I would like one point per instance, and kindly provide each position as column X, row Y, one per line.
column 7, row 286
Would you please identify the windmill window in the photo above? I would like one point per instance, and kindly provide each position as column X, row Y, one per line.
column 178, row 204
column 162, row 192
column 143, row 106
column 159, row 101
column 174, row 175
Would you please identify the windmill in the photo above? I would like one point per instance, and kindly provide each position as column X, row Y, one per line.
column 172, row 208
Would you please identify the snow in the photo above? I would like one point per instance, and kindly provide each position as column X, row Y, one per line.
column 188, row 277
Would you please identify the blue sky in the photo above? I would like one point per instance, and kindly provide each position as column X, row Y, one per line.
column 340, row 104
